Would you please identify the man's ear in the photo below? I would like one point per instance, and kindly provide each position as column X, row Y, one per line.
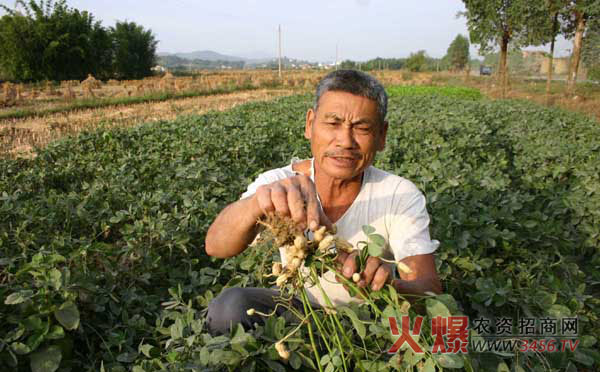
column 310, row 119
column 383, row 135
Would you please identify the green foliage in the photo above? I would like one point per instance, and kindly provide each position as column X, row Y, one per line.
column 448, row 91
column 491, row 23
column 458, row 52
column 101, row 236
column 48, row 40
column 591, row 50
column 134, row 49
column 416, row 61
column 52, row 41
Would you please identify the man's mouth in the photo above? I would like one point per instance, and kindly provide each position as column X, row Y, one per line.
column 344, row 161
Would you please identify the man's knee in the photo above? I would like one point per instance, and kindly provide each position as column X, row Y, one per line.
column 227, row 310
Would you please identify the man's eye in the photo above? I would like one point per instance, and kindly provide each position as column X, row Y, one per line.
column 363, row 129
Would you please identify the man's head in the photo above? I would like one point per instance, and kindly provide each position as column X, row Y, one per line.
column 347, row 126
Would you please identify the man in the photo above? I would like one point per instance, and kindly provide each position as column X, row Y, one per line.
column 346, row 128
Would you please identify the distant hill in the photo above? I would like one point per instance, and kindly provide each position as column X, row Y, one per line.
column 205, row 55
column 208, row 59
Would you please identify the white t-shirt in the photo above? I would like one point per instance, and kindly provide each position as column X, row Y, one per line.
column 391, row 204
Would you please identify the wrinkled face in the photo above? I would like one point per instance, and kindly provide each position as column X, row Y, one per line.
column 345, row 134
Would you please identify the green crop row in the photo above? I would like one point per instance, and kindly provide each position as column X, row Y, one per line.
column 447, row 91
column 101, row 236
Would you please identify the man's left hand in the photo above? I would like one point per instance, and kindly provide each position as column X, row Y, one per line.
column 376, row 273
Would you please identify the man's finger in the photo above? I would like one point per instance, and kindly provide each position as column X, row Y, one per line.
column 381, row 277
column 312, row 204
column 350, row 265
column 367, row 275
column 341, row 257
column 296, row 206
column 263, row 197
column 279, row 199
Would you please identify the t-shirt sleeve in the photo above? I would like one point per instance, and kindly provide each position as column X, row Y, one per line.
column 267, row 178
column 409, row 227
column 251, row 190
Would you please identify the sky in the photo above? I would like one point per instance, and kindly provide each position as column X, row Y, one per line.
column 311, row 29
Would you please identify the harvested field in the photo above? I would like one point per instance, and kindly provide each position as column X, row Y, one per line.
column 19, row 137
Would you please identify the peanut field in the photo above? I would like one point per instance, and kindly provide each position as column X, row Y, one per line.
column 102, row 262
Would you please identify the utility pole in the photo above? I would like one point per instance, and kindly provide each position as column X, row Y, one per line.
column 280, row 51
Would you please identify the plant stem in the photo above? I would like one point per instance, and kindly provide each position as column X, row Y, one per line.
column 310, row 332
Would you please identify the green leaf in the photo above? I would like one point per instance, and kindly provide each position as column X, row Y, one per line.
column 583, row 357
column 356, row 323
column 449, row 360
column 588, row 341
column 56, row 333
column 177, row 329
column 20, row 348
column 502, row 367
column 46, row 360
column 559, row 311
column 55, row 277
column 368, row 230
column 18, row 297
column 429, row 366
column 374, row 250
column 377, row 239
column 449, row 301
column 145, row 349
column 274, row 366
column 68, row 315
column 295, row 361
column 436, row 308
column 127, row 357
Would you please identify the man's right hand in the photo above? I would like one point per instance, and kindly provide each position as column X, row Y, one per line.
column 235, row 227
column 295, row 197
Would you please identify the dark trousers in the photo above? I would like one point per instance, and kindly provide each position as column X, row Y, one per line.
column 228, row 309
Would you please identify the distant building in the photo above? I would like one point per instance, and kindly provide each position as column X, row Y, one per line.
column 158, row 68
column 560, row 65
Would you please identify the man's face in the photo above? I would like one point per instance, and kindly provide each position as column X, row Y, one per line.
column 345, row 134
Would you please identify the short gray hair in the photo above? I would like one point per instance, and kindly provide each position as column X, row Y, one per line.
column 357, row 83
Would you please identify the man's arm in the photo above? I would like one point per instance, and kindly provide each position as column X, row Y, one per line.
column 233, row 229
column 422, row 277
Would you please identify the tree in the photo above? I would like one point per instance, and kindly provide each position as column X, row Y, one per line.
column 552, row 31
column 458, row 53
column 49, row 40
column 416, row 61
column 134, row 50
column 348, row 65
column 580, row 13
column 591, row 50
column 498, row 22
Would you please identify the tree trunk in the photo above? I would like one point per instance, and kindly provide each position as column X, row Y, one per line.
column 551, row 58
column 503, row 65
column 576, row 52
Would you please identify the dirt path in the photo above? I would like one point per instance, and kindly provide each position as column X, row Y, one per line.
column 18, row 137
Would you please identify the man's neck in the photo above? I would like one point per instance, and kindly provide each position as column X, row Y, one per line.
column 336, row 195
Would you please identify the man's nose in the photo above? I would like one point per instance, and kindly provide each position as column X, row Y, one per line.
column 345, row 137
